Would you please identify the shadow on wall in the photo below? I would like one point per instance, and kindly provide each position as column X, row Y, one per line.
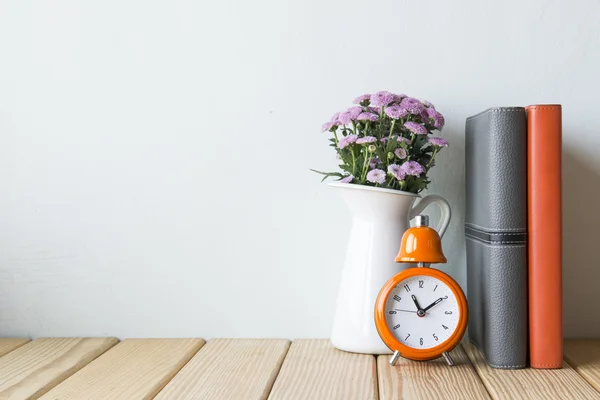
column 581, row 247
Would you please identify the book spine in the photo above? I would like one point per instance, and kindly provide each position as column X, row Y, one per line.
column 496, row 234
column 544, row 125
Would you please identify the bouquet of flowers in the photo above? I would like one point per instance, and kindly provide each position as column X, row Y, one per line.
column 385, row 141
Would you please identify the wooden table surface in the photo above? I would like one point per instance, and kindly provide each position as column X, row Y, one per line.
column 104, row 368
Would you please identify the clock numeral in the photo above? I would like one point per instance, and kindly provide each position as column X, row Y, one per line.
column 391, row 312
column 446, row 297
column 445, row 327
column 397, row 326
column 397, row 298
column 435, row 337
column 421, row 284
column 407, row 288
column 435, row 287
column 421, row 341
column 406, row 338
column 448, row 312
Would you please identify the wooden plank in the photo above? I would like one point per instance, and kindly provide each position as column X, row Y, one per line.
column 229, row 369
column 9, row 344
column 530, row 383
column 133, row 369
column 430, row 380
column 584, row 356
column 314, row 369
column 34, row 368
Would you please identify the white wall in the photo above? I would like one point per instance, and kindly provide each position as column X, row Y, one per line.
column 154, row 155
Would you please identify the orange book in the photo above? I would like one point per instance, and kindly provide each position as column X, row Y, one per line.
column 544, row 137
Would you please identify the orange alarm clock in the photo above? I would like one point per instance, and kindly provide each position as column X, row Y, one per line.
column 421, row 313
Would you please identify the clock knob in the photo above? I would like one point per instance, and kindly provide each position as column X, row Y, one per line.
column 422, row 220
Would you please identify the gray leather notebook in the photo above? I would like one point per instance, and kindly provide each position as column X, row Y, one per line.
column 496, row 234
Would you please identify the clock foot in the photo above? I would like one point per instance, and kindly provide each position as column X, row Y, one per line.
column 448, row 359
column 395, row 358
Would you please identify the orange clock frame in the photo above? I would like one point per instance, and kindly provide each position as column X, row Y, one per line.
column 408, row 352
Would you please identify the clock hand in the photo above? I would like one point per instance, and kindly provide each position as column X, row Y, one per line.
column 433, row 304
column 416, row 302
column 397, row 309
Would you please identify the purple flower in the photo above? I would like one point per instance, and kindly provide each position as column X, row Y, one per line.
column 345, row 141
column 413, row 106
column 376, row 176
column 415, row 128
column 347, row 179
column 381, row 99
column 400, row 153
column 374, row 110
column 438, row 141
column 335, row 117
column 327, row 126
column 413, row 168
column 438, row 119
column 366, row 139
column 344, row 118
column 354, row 112
column 427, row 104
column 362, row 98
column 396, row 171
column 367, row 116
column 349, row 115
column 374, row 162
column 396, row 112
column 398, row 97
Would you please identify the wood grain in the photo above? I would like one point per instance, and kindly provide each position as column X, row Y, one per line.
column 314, row 369
column 584, row 356
column 530, row 383
column 9, row 344
column 134, row 369
column 34, row 368
column 430, row 380
column 229, row 369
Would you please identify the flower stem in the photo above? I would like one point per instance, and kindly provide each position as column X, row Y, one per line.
column 353, row 161
column 391, row 130
column 432, row 157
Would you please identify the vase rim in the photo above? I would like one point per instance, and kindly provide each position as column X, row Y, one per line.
column 372, row 189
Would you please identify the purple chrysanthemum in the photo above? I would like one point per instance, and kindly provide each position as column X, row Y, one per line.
column 427, row 104
column 374, row 110
column 354, row 112
column 335, row 117
column 345, row 141
column 396, row 171
column 382, row 98
column 400, row 153
column 438, row 141
column 438, row 119
column 344, row 118
column 396, row 112
column 413, row 106
column 376, row 176
column 375, row 161
column 367, row 116
column 327, row 126
column 413, row 168
column 366, row 139
column 398, row 98
column 415, row 128
column 362, row 98
column 347, row 179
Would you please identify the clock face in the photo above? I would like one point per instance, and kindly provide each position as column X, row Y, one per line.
column 422, row 312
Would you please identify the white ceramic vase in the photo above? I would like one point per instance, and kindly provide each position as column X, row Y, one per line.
column 379, row 219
